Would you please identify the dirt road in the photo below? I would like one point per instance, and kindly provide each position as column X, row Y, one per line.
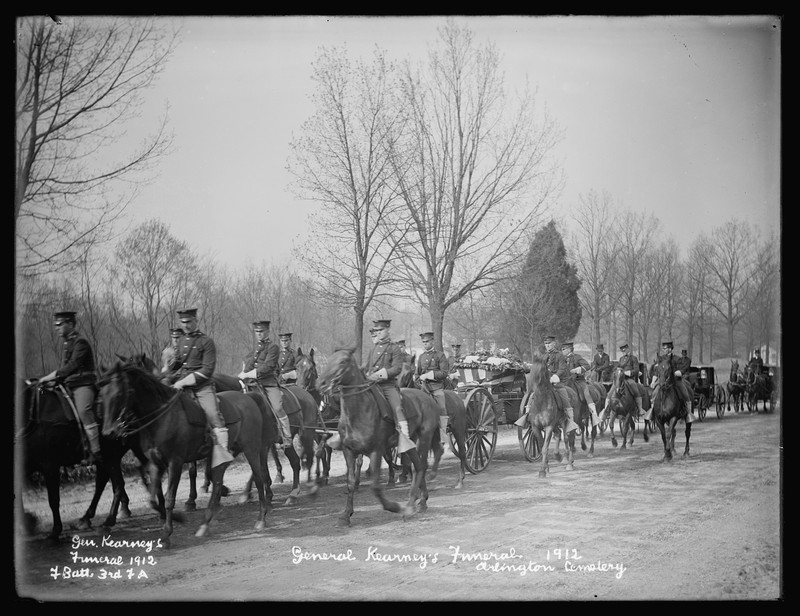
column 621, row 526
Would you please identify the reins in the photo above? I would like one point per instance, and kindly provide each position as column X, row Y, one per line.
column 137, row 424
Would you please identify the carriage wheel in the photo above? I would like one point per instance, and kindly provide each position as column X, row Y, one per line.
column 702, row 407
column 720, row 402
column 481, row 429
column 528, row 443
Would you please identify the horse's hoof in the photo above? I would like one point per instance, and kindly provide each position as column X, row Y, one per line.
column 244, row 498
column 559, row 457
column 201, row 531
column 422, row 507
column 343, row 521
column 431, row 475
column 408, row 512
column 190, row 506
column 459, row 485
column 260, row 525
column 205, row 489
column 292, row 500
column 83, row 524
column 313, row 490
column 225, row 491
column 278, row 478
column 124, row 512
column 570, row 467
column 542, row 474
column 613, row 442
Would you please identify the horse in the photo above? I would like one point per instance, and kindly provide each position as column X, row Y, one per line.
column 366, row 424
column 544, row 414
column 621, row 404
column 457, row 413
column 583, row 415
column 52, row 439
column 758, row 387
column 301, row 409
column 172, row 430
column 307, row 375
column 668, row 409
column 736, row 386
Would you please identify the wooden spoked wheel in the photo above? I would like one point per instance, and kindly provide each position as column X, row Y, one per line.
column 481, row 437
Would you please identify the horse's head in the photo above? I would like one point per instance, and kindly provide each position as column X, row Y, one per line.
column 618, row 380
column 406, row 378
column 341, row 370
column 306, row 370
column 112, row 400
column 537, row 377
column 664, row 372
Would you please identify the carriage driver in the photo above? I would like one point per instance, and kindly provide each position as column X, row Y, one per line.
column 755, row 366
column 556, row 366
column 578, row 367
column 629, row 364
column 601, row 365
column 77, row 371
column 432, row 367
column 674, row 377
column 168, row 354
column 287, row 359
column 262, row 368
column 194, row 363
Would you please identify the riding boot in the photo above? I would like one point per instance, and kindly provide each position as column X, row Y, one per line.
column 648, row 416
column 286, row 431
column 220, row 454
column 689, row 415
column 443, row 419
column 571, row 425
column 521, row 420
column 404, row 442
column 93, row 434
column 593, row 411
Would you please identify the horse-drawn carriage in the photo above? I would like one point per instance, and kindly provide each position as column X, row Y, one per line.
column 492, row 387
column 706, row 392
column 762, row 387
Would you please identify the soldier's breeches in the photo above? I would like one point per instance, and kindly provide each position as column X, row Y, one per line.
column 275, row 400
column 207, row 398
column 441, row 400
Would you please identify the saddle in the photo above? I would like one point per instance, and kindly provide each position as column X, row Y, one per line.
column 68, row 413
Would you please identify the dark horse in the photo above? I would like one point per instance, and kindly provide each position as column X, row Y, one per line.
column 668, row 408
column 581, row 411
column 52, row 439
column 544, row 414
column 623, row 406
column 736, row 386
column 301, row 409
column 758, row 387
column 172, row 430
column 366, row 425
column 307, row 375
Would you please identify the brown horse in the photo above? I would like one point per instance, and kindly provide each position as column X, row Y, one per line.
column 172, row 430
column 583, row 416
column 736, row 387
column 622, row 406
column 307, row 376
column 366, row 425
column 544, row 416
column 668, row 408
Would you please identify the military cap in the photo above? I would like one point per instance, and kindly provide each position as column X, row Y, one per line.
column 757, row 351
column 382, row 323
column 426, row 336
column 600, row 347
column 567, row 344
column 668, row 343
column 549, row 338
column 623, row 346
column 260, row 325
column 65, row 315
column 684, row 351
column 176, row 332
column 401, row 342
column 455, row 346
column 188, row 313
column 286, row 336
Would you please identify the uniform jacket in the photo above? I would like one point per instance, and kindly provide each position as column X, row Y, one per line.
column 630, row 362
column 265, row 362
column 683, row 363
column 601, row 364
column 77, row 362
column 756, row 364
column 574, row 360
column 557, row 364
column 167, row 357
column 286, row 360
column 196, row 353
column 385, row 354
column 436, row 361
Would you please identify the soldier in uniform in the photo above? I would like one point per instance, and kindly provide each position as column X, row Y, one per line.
column 455, row 351
column 262, row 369
column 556, row 366
column 601, row 365
column 432, row 368
column 674, row 377
column 77, row 372
column 684, row 362
column 168, row 354
column 286, row 360
column 194, row 363
column 629, row 364
column 578, row 367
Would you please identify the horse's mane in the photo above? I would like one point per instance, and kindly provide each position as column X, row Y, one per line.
column 537, row 377
column 144, row 381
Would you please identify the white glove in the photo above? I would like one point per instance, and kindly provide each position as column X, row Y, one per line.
column 453, row 375
column 576, row 370
column 428, row 376
column 677, row 373
column 380, row 375
column 292, row 374
column 48, row 377
column 555, row 379
column 627, row 373
column 246, row 375
column 188, row 380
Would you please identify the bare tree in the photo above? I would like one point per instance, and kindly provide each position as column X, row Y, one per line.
column 341, row 161
column 78, row 84
column 473, row 173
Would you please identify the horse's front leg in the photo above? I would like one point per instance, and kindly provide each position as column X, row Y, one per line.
column 278, row 466
column 375, row 460
column 214, row 504
column 100, row 481
column 52, row 479
column 688, row 433
column 418, row 495
column 350, row 461
column 545, row 448
column 294, row 461
column 570, row 447
column 191, row 502
column 119, row 495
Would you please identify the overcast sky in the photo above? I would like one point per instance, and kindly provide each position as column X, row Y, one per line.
column 679, row 116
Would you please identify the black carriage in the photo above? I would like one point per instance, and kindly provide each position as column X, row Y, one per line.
column 771, row 375
column 492, row 388
column 706, row 392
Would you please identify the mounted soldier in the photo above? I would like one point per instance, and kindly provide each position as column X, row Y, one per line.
column 261, row 370
column 78, row 375
column 455, row 357
column 286, row 360
column 675, row 378
column 601, row 365
column 191, row 370
column 684, row 362
column 578, row 367
column 629, row 364
column 168, row 354
column 432, row 368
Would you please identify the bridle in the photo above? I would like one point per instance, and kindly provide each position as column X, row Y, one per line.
column 125, row 421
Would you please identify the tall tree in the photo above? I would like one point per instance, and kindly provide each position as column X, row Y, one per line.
column 473, row 171
column 341, row 161
column 78, row 84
